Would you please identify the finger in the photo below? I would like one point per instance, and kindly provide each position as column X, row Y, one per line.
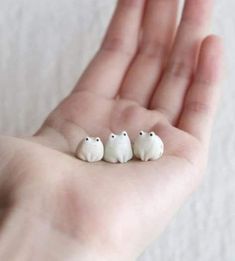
column 105, row 73
column 193, row 28
column 158, row 30
column 201, row 100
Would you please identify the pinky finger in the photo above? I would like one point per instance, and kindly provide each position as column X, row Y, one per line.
column 201, row 100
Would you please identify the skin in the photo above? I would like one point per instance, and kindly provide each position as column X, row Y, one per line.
column 56, row 207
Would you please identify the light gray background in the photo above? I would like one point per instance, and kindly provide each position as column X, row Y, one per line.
column 44, row 46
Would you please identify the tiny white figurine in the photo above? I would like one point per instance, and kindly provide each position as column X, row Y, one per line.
column 118, row 148
column 90, row 149
column 148, row 146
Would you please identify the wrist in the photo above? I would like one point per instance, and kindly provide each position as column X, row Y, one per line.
column 25, row 237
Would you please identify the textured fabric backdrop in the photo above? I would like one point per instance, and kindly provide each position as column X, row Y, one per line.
column 44, row 46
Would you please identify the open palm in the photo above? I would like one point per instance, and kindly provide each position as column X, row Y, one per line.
column 163, row 81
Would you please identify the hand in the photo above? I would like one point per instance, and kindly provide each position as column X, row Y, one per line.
column 169, row 84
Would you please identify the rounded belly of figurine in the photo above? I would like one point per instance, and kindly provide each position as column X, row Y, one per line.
column 120, row 154
column 153, row 152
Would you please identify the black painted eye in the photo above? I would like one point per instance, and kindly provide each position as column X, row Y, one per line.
column 113, row 136
column 97, row 139
column 87, row 139
column 151, row 134
column 124, row 134
column 141, row 133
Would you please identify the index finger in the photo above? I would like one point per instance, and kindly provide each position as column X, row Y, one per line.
column 105, row 73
